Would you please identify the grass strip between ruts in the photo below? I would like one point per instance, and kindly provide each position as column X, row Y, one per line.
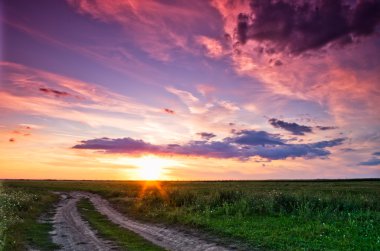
column 122, row 237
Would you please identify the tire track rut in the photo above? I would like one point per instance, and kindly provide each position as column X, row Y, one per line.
column 71, row 232
column 168, row 238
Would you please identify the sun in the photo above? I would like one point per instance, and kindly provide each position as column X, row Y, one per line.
column 153, row 167
column 148, row 167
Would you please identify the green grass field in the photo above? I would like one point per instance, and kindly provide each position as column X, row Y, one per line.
column 19, row 213
column 270, row 215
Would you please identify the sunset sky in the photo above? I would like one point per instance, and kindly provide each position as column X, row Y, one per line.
column 189, row 90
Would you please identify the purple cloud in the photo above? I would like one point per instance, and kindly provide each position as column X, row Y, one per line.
column 214, row 149
column 328, row 143
column 123, row 145
column 325, row 128
column 294, row 128
column 371, row 162
column 254, row 138
column 290, row 151
column 242, row 145
column 206, row 135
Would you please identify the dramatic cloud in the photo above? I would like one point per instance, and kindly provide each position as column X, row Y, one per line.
column 243, row 145
column 294, row 128
column 206, row 135
column 371, row 162
column 54, row 92
column 299, row 26
column 191, row 78
column 331, row 80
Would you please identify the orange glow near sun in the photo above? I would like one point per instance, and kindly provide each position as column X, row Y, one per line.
column 149, row 167
column 153, row 167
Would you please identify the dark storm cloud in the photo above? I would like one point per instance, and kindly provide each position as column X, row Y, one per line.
column 242, row 145
column 242, row 28
column 170, row 111
column 299, row 26
column 294, row 128
column 206, row 135
column 376, row 153
column 54, row 92
column 371, row 162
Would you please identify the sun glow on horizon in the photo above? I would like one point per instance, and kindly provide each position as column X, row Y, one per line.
column 149, row 167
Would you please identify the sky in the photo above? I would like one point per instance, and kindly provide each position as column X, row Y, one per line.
column 189, row 90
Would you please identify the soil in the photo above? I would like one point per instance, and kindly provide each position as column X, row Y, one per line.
column 71, row 232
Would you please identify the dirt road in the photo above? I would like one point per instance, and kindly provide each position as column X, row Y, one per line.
column 72, row 233
column 168, row 238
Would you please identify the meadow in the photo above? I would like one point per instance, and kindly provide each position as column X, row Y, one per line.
column 264, row 215
column 19, row 213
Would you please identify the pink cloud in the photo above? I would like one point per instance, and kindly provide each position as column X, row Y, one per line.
column 205, row 89
column 210, row 114
column 20, row 78
column 157, row 27
column 329, row 77
column 213, row 47
column 21, row 92
column 100, row 107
